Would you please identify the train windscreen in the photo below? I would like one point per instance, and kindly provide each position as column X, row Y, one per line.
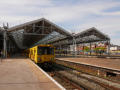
column 45, row 50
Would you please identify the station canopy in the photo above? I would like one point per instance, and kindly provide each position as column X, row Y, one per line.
column 91, row 35
column 42, row 31
column 29, row 34
column 86, row 36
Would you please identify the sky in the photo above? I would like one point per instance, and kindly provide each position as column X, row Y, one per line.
column 72, row 15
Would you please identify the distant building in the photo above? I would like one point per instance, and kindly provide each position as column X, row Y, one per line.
column 114, row 48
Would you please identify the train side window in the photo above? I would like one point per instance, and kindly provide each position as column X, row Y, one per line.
column 40, row 50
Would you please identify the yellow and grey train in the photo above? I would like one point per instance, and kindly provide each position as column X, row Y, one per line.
column 42, row 54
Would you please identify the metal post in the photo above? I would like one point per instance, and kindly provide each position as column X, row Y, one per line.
column 5, row 44
column 74, row 46
column 108, row 50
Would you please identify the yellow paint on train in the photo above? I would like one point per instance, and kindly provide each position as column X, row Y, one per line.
column 42, row 53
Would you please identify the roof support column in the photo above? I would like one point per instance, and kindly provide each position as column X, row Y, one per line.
column 74, row 46
column 5, row 44
column 108, row 48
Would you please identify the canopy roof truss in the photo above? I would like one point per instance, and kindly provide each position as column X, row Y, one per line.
column 42, row 31
column 87, row 36
column 26, row 35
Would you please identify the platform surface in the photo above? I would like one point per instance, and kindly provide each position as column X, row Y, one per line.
column 100, row 62
column 22, row 74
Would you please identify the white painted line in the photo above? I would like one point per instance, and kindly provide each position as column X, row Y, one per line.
column 91, row 65
column 61, row 87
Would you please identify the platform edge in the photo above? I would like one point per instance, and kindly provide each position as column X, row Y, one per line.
column 60, row 86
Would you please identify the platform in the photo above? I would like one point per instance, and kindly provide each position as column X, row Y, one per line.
column 23, row 74
column 98, row 62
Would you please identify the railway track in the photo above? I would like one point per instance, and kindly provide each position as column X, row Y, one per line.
column 102, row 72
column 74, row 80
column 60, row 78
column 67, row 83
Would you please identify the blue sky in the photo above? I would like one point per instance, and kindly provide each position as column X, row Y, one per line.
column 72, row 15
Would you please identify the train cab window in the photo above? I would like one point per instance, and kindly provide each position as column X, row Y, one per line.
column 45, row 50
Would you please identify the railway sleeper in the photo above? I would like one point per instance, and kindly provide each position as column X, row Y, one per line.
column 100, row 72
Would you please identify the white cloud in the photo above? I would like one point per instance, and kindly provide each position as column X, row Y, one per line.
column 25, row 2
column 106, row 24
column 20, row 11
column 50, row 10
column 64, row 13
